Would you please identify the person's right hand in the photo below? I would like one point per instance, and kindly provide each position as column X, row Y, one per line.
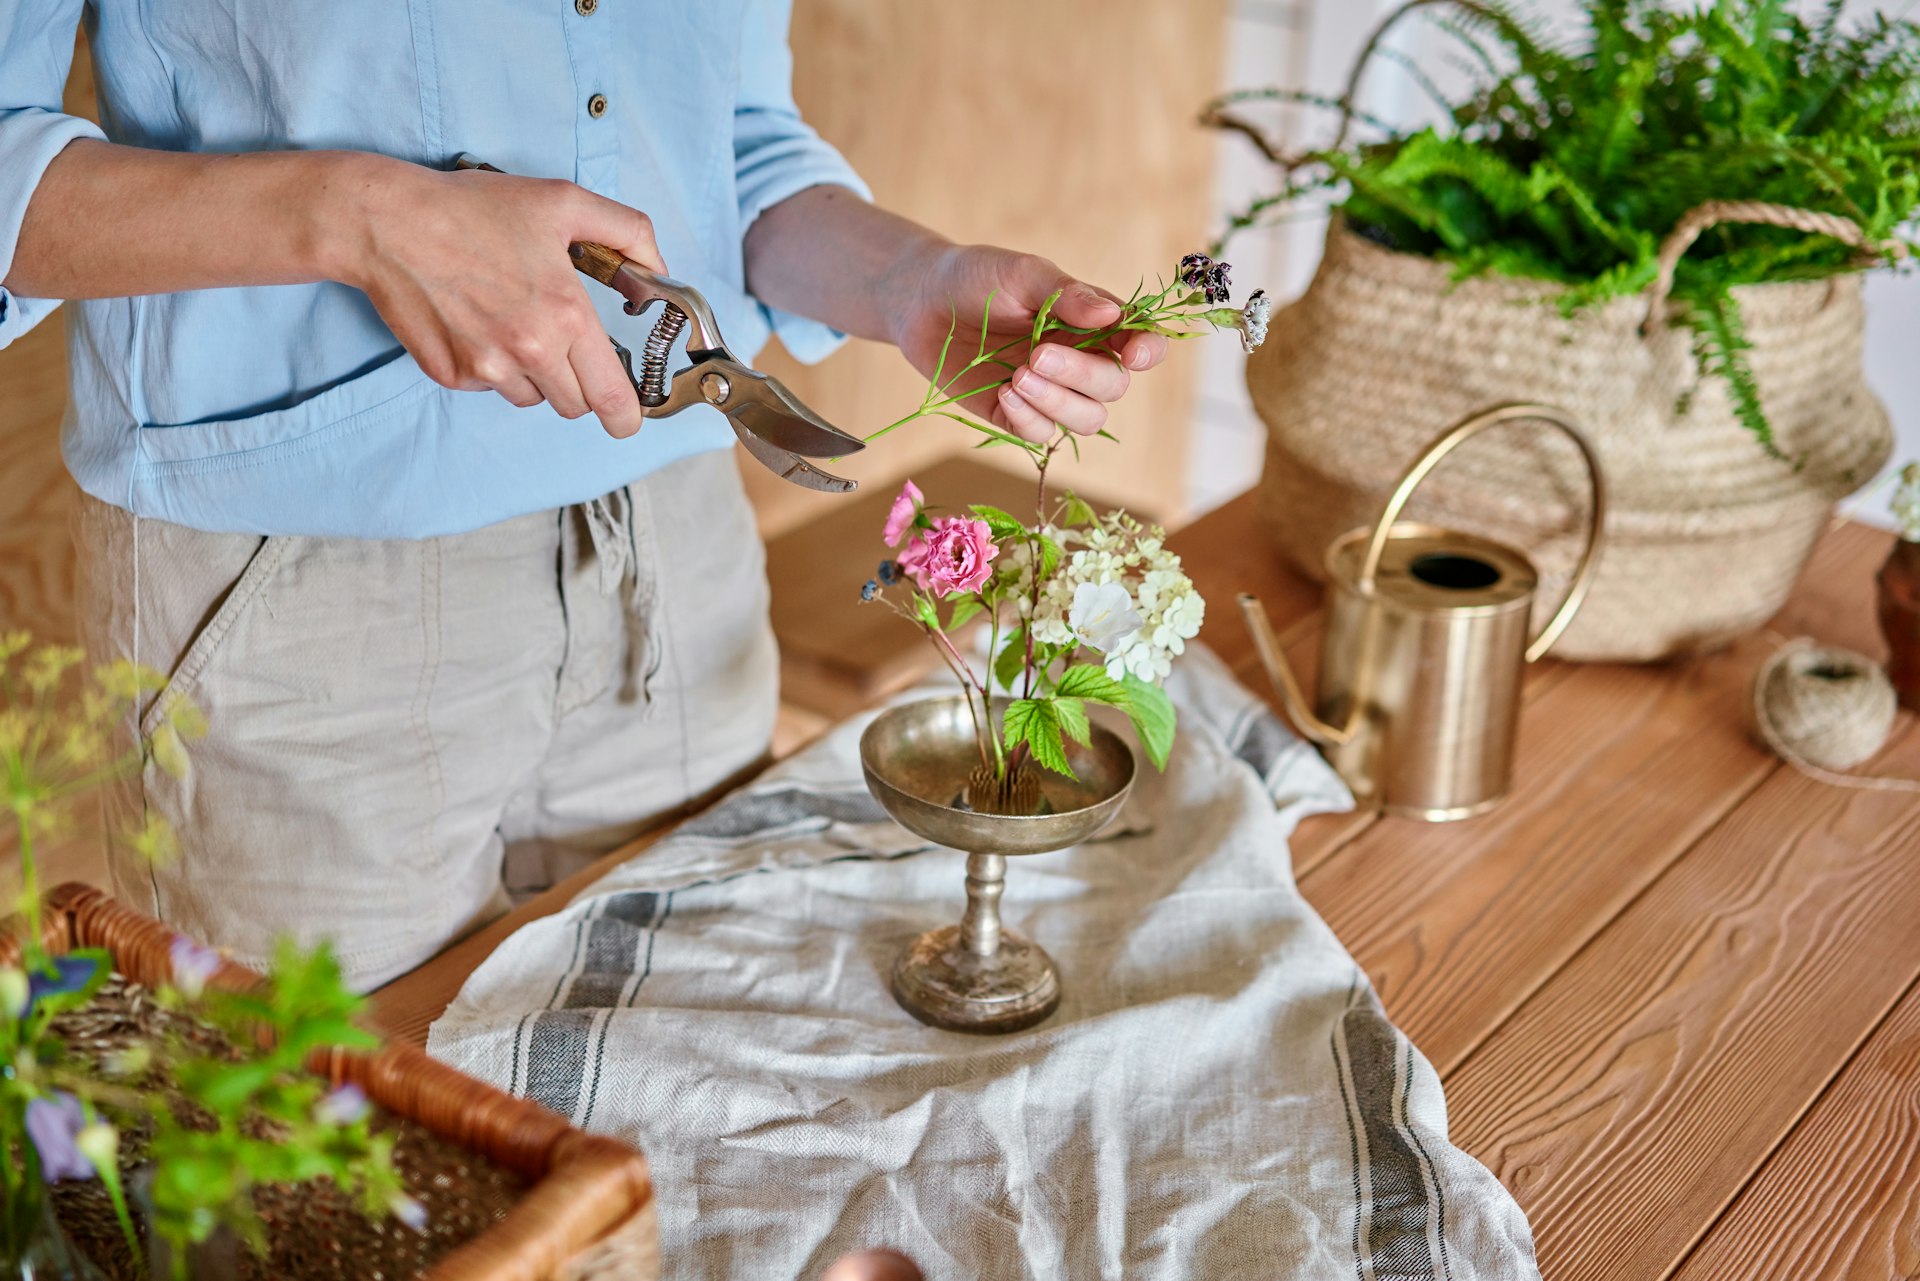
column 470, row 270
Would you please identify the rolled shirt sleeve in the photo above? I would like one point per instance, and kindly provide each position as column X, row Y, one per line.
column 36, row 52
column 776, row 154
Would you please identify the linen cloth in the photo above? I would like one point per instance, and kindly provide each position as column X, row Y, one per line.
column 390, row 720
column 291, row 409
column 1218, row 1096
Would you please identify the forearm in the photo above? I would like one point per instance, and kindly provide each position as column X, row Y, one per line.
column 112, row 221
column 828, row 254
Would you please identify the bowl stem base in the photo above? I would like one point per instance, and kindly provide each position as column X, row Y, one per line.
column 977, row 976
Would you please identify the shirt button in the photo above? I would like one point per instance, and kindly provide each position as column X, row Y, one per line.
column 585, row 8
column 597, row 105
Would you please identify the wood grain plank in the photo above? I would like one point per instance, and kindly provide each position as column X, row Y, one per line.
column 1632, row 1096
column 1620, row 771
column 1840, row 1199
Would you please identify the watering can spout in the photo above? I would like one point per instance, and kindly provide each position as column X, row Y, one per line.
column 1274, row 659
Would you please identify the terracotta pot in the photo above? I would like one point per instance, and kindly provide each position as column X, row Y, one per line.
column 1900, row 620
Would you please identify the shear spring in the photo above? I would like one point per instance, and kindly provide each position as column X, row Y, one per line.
column 653, row 358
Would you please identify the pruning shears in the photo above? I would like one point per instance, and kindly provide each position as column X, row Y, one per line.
column 774, row 425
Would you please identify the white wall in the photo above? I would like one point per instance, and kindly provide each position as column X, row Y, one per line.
column 1311, row 44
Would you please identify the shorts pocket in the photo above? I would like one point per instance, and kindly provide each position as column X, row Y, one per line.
column 206, row 642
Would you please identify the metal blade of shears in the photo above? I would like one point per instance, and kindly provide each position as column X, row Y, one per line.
column 789, row 466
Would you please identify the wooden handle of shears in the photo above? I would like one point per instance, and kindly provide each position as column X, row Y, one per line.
column 597, row 261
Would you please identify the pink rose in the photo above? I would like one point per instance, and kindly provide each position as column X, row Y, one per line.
column 900, row 519
column 956, row 555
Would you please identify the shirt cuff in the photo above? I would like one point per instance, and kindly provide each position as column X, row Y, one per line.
column 30, row 137
column 773, row 171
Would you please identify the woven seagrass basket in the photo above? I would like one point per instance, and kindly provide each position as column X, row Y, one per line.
column 1706, row 532
column 587, row 1212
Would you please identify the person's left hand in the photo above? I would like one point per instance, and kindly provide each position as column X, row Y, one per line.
column 1051, row 384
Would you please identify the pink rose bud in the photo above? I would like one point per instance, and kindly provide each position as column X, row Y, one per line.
column 956, row 555
column 900, row 518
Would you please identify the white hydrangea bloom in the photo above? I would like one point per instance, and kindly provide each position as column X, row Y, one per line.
column 1126, row 568
column 1906, row 503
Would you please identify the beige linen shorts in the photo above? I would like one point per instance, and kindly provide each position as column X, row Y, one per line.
column 406, row 735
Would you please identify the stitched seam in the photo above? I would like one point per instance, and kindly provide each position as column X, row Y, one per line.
column 429, row 554
column 282, row 450
column 202, row 648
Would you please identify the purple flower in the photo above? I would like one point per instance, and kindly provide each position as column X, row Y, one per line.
column 342, row 1106
column 1193, row 270
column 408, row 1211
column 1218, row 284
column 194, row 965
column 52, row 1123
column 70, row 974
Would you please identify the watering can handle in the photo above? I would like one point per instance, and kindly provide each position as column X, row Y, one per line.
column 1473, row 426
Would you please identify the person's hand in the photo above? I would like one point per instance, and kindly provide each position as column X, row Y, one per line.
column 1051, row 384
column 470, row 271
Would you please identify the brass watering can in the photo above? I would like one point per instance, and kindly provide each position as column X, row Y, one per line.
column 1425, row 643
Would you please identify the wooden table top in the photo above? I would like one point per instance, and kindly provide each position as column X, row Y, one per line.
column 1669, row 985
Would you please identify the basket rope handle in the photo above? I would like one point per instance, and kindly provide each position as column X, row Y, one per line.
column 1698, row 220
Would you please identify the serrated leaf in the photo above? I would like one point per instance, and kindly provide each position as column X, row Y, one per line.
column 1050, row 554
column 1072, row 715
column 1078, row 512
column 1003, row 524
column 1088, row 681
column 964, row 609
column 1153, row 717
column 1036, row 722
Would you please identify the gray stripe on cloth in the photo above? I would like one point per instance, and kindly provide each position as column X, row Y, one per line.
column 566, row 1043
column 1397, row 1208
column 757, row 811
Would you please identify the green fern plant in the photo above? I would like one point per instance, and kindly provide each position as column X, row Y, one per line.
column 1572, row 160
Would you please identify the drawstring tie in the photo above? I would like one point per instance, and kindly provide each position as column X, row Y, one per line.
column 616, row 549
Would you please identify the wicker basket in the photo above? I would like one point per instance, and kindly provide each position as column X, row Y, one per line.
column 589, row 1211
column 1706, row 533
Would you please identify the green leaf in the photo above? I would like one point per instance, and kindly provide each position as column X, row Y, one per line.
column 1012, row 658
column 1050, row 556
column 1072, row 715
column 1003, row 524
column 1046, row 311
column 1036, row 722
column 964, row 609
column 1079, row 512
column 1153, row 717
column 1089, row 681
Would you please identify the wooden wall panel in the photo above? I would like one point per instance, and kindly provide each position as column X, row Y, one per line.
column 1065, row 128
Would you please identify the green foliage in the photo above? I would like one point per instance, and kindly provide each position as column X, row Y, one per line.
column 257, row 1119
column 1041, row 721
column 1036, row 723
column 1572, row 162
column 220, row 1124
column 1152, row 714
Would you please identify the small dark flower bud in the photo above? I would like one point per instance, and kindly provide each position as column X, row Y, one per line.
column 889, row 572
column 1218, row 284
column 869, row 590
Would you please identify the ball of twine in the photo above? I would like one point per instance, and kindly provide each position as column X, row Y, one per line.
column 1827, row 708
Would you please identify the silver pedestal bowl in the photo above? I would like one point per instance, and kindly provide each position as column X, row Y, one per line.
column 979, row 976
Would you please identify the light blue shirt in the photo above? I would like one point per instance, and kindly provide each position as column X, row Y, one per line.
column 293, row 409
